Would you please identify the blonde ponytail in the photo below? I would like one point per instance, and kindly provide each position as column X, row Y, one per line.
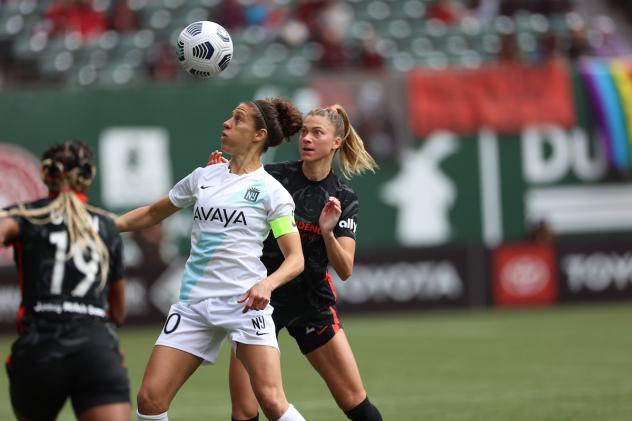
column 354, row 158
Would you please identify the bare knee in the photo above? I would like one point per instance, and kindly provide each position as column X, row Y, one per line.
column 350, row 398
column 272, row 401
column 151, row 402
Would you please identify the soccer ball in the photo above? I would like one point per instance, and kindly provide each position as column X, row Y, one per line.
column 204, row 49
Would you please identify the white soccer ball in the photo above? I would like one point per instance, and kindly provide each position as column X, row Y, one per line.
column 204, row 49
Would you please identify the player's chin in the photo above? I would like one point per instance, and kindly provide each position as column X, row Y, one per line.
column 225, row 144
column 308, row 155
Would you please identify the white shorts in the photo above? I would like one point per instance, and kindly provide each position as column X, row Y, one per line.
column 200, row 328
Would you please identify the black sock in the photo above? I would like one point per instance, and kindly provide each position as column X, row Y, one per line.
column 365, row 411
column 255, row 418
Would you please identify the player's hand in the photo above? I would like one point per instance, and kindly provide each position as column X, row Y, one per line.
column 257, row 297
column 330, row 215
column 216, row 158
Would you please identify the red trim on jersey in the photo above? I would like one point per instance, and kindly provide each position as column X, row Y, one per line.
column 80, row 195
column 336, row 324
column 19, row 317
column 8, row 360
column 19, row 256
column 331, row 284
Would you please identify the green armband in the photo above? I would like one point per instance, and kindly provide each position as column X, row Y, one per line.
column 283, row 225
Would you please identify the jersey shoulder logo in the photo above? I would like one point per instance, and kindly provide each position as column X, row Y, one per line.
column 349, row 224
column 252, row 194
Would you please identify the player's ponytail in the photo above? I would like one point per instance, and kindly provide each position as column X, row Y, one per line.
column 279, row 117
column 354, row 158
column 67, row 169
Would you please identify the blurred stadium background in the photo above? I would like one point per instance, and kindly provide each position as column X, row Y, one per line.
column 503, row 129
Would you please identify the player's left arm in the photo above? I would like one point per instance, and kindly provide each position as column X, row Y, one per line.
column 9, row 231
column 340, row 249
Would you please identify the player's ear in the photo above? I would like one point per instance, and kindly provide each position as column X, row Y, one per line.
column 337, row 143
column 261, row 136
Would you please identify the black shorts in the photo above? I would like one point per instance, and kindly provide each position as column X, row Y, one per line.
column 90, row 377
column 310, row 331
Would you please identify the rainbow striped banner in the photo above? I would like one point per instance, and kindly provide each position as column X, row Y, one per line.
column 609, row 85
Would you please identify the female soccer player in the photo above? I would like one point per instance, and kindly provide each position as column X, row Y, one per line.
column 326, row 216
column 236, row 205
column 69, row 261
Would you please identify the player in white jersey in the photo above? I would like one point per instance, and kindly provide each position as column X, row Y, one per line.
column 225, row 288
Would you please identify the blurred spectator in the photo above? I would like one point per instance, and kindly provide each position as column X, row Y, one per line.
column 374, row 123
column 510, row 7
column 604, row 40
column 231, row 14
column 551, row 7
column 123, row 18
column 294, row 33
column 308, row 12
column 162, row 64
column 549, row 45
column 509, row 50
column 483, row 10
column 370, row 56
column 446, row 11
column 257, row 13
column 333, row 21
column 65, row 16
column 578, row 43
column 541, row 233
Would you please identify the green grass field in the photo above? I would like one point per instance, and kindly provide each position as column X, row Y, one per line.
column 567, row 363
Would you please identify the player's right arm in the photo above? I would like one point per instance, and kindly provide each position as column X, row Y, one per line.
column 116, row 302
column 146, row 216
column 9, row 231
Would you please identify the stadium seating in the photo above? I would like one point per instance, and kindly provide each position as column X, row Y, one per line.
column 402, row 34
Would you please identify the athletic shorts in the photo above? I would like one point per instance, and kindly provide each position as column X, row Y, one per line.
column 312, row 331
column 200, row 328
column 90, row 377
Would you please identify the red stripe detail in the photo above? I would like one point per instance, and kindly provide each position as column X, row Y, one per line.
column 18, row 319
column 336, row 319
column 8, row 360
column 331, row 284
column 19, row 259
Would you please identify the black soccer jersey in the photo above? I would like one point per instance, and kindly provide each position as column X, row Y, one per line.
column 313, row 290
column 57, row 288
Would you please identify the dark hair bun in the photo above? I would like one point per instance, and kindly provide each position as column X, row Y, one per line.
column 290, row 118
column 280, row 117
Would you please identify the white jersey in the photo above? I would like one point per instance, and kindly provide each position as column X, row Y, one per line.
column 231, row 219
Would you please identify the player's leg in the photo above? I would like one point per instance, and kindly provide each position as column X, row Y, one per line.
column 243, row 399
column 99, row 385
column 31, row 379
column 111, row 412
column 263, row 365
column 335, row 363
column 185, row 342
column 167, row 370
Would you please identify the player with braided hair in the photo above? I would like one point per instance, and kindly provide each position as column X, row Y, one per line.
column 69, row 259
